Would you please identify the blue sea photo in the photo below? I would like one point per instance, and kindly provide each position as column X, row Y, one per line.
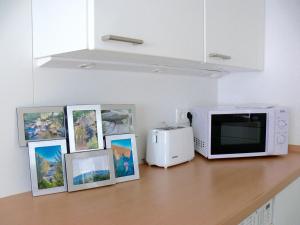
column 90, row 170
column 123, row 157
column 49, row 166
column 91, row 177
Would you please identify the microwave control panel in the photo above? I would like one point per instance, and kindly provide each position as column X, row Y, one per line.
column 281, row 130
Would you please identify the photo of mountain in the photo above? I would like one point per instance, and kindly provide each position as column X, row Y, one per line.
column 85, row 129
column 90, row 170
column 123, row 157
column 117, row 121
column 49, row 167
column 44, row 126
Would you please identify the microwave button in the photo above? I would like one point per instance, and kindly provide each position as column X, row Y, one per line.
column 281, row 139
column 282, row 124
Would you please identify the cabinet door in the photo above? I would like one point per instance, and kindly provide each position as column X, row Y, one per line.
column 172, row 28
column 287, row 205
column 58, row 26
column 235, row 33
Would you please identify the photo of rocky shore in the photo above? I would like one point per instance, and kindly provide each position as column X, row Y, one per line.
column 44, row 126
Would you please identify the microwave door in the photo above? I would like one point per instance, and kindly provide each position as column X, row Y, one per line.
column 238, row 133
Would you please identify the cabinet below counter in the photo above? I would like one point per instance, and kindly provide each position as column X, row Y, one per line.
column 208, row 192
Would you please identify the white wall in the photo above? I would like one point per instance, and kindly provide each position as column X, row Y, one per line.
column 156, row 96
column 279, row 83
column 15, row 90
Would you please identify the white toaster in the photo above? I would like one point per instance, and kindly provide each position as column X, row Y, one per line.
column 170, row 146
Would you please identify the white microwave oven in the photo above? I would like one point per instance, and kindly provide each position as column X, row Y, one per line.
column 232, row 131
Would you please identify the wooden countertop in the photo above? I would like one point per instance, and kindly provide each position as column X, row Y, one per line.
column 201, row 192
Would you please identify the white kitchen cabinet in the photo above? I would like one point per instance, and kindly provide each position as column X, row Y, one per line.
column 59, row 26
column 235, row 32
column 283, row 209
column 193, row 37
column 287, row 205
column 262, row 216
column 169, row 28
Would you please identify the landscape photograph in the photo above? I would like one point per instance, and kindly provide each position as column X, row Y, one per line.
column 85, row 129
column 123, row 157
column 90, row 170
column 117, row 121
column 49, row 167
column 44, row 126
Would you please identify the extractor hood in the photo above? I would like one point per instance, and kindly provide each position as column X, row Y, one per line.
column 120, row 61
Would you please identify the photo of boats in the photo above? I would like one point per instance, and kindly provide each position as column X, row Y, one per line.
column 117, row 121
column 44, row 126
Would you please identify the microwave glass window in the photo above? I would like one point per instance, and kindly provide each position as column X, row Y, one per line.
column 238, row 133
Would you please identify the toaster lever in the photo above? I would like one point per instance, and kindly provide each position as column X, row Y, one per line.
column 154, row 138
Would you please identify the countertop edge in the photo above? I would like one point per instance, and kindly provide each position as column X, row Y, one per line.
column 265, row 197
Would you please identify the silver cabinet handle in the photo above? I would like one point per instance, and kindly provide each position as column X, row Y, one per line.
column 221, row 56
column 122, row 39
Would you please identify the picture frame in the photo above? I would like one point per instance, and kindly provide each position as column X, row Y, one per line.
column 89, row 169
column 125, row 157
column 40, row 124
column 47, row 167
column 118, row 119
column 84, row 128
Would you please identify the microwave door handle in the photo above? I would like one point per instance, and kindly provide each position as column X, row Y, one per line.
column 249, row 115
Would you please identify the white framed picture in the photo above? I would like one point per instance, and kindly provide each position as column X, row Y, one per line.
column 47, row 167
column 118, row 119
column 89, row 169
column 125, row 156
column 85, row 128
